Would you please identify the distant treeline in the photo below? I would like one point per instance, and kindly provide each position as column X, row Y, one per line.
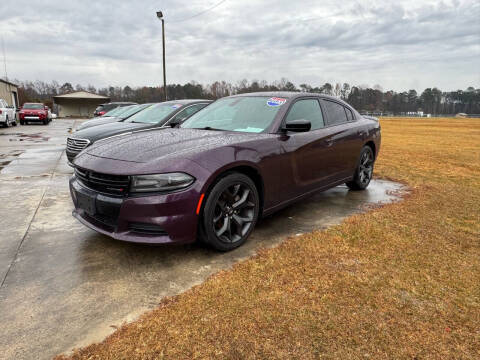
column 363, row 98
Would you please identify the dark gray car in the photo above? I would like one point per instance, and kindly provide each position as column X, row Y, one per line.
column 155, row 116
column 117, row 114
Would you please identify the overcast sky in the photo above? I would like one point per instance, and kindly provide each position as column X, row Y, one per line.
column 398, row 44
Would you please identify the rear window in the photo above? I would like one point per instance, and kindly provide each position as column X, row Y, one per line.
column 33, row 106
column 349, row 114
column 336, row 112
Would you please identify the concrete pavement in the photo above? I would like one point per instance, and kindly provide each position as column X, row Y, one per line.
column 63, row 285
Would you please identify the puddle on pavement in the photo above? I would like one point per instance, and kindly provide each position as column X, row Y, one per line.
column 38, row 137
column 6, row 159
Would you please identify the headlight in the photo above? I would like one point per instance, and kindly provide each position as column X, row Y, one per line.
column 160, row 182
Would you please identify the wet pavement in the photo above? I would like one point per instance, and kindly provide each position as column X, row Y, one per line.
column 63, row 285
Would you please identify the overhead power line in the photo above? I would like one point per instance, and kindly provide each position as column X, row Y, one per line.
column 200, row 13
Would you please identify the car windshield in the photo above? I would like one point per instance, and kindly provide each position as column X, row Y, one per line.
column 244, row 114
column 33, row 106
column 154, row 114
column 131, row 110
column 115, row 112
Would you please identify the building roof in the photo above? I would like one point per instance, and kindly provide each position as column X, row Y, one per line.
column 8, row 82
column 81, row 95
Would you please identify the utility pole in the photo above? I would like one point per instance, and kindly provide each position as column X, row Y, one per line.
column 160, row 16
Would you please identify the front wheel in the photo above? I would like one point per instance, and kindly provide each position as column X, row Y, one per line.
column 364, row 171
column 230, row 213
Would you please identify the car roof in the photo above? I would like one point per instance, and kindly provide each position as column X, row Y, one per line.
column 285, row 94
column 186, row 101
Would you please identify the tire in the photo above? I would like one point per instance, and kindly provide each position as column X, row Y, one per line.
column 230, row 213
column 45, row 122
column 364, row 170
column 7, row 123
column 22, row 122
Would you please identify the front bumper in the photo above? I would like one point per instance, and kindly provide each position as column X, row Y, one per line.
column 153, row 219
column 32, row 118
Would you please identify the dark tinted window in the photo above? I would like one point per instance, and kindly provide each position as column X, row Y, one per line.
column 349, row 114
column 308, row 109
column 33, row 106
column 336, row 112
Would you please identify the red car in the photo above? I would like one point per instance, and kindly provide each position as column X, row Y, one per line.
column 34, row 112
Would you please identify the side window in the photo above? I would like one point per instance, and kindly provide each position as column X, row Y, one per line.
column 194, row 108
column 336, row 112
column 308, row 109
column 186, row 113
column 349, row 114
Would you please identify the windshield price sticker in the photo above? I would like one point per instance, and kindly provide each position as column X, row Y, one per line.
column 275, row 101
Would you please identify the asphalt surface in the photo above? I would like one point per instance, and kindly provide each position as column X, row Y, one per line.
column 63, row 285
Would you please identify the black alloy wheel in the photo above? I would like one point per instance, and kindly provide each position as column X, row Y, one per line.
column 230, row 212
column 364, row 171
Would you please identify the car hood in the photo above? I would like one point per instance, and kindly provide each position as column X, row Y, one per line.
column 95, row 133
column 99, row 121
column 154, row 145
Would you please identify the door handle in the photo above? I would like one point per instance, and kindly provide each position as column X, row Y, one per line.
column 329, row 142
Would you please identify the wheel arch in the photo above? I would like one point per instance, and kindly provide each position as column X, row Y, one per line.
column 371, row 144
column 247, row 169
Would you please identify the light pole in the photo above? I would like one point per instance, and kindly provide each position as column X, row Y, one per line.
column 160, row 16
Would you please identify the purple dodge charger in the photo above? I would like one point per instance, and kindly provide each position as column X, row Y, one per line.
column 214, row 176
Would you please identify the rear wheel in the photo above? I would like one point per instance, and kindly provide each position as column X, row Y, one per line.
column 230, row 212
column 7, row 122
column 363, row 173
column 45, row 122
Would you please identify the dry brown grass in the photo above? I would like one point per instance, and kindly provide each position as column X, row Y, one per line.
column 401, row 281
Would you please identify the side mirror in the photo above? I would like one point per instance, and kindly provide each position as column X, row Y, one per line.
column 45, row 107
column 300, row 125
column 175, row 122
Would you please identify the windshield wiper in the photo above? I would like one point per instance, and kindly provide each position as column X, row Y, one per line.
column 209, row 128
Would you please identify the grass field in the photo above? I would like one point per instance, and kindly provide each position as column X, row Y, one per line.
column 398, row 282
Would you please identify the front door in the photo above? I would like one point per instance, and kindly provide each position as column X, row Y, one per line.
column 311, row 151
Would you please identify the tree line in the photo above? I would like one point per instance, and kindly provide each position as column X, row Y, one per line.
column 363, row 98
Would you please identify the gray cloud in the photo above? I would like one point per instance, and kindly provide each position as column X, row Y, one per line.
column 400, row 45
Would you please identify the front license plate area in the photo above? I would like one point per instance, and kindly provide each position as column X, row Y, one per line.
column 86, row 203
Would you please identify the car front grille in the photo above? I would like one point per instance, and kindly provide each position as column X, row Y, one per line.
column 74, row 145
column 104, row 183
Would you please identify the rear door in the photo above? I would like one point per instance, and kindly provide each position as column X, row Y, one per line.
column 345, row 141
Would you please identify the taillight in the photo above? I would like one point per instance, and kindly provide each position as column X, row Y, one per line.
column 0, row 111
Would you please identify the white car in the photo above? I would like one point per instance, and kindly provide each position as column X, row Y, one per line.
column 8, row 115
